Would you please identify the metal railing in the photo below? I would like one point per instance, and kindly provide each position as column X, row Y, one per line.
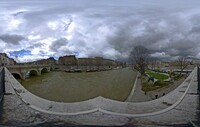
column 2, row 83
column 198, row 78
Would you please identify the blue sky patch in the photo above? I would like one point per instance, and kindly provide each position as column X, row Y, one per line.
column 20, row 53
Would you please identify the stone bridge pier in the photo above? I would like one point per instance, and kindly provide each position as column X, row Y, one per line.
column 23, row 72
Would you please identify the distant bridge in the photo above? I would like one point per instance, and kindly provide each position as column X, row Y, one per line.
column 21, row 71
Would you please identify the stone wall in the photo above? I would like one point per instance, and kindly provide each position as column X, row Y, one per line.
column 104, row 105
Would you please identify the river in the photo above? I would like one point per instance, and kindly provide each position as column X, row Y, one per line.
column 73, row 87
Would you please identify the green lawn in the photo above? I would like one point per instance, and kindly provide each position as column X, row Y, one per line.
column 157, row 75
column 150, row 86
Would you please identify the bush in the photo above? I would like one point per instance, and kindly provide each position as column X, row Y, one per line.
column 157, row 85
column 177, row 77
column 161, row 83
column 173, row 73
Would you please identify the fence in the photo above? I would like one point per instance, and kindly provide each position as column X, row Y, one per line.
column 198, row 78
column 2, row 83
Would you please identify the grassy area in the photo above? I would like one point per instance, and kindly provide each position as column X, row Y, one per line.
column 160, row 71
column 157, row 75
column 150, row 86
column 146, row 86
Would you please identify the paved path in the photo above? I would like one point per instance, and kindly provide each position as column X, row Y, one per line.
column 138, row 95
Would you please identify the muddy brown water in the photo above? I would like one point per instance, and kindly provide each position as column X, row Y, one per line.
column 73, row 87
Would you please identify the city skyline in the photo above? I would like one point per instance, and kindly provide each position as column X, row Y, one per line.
column 32, row 30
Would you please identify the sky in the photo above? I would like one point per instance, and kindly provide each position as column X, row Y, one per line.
column 35, row 29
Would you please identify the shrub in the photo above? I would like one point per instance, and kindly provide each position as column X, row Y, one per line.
column 177, row 76
column 173, row 73
column 161, row 83
column 157, row 85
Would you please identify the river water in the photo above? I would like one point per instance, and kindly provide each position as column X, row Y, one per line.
column 72, row 87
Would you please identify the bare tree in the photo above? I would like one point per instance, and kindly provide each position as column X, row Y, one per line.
column 139, row 58
column 153, row 62
column 182, row 63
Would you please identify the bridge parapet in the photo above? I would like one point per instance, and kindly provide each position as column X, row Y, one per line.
column 27, row 66
column 24, row 70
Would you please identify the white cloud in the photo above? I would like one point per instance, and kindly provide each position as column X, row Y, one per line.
column 28, row 58
column 34, row 37
column 54, row 25
column 160, row 55
column 14, row 24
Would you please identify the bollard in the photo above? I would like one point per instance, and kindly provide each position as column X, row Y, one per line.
column 156, row 96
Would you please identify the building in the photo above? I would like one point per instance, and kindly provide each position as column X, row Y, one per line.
column 5, row 60
column 87, row 62
column 108, row 62
column 49, row 61
column 69, row 60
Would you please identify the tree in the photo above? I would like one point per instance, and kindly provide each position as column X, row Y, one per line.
column 182, row 63
column 139, row 58
column 153, row 63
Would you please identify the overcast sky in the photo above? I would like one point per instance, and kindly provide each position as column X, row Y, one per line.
column 36, row 29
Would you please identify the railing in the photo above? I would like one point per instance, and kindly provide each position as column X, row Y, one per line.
column 2, row 83
column 198, row 78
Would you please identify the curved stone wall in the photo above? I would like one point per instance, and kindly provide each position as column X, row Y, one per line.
column 104, row 105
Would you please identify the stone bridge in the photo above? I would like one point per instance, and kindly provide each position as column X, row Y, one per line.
column 22, row 71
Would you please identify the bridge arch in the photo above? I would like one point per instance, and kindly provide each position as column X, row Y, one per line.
column 44, row 70
column 33, row 72
column 23, row 71
column 17, row 76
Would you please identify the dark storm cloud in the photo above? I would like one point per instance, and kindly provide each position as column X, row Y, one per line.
column 14, row 39
column 56, row 45
column 35, row 46
column 160, row 31
column 195, row 29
